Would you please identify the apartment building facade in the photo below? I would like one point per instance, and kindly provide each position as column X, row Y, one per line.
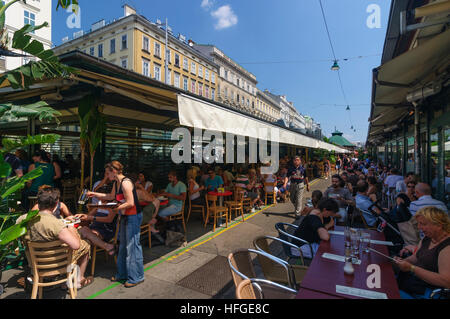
column 236, row 86
column 138, row 44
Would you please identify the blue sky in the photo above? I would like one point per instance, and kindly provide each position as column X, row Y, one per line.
column 284, row 43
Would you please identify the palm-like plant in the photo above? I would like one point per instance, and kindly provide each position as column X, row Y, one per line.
column 47, row 66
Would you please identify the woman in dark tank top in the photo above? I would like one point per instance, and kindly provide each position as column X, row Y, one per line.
column 429, row 267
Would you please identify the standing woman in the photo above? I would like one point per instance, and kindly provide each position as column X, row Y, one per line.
column 130, row 262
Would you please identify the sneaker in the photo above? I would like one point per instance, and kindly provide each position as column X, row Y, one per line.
column 253, row 210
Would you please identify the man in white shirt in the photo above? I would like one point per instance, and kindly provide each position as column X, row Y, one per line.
column 391, row 180
column 401, row 185
column 423, row 193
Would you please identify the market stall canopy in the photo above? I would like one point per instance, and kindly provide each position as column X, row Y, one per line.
column 406, row 73
column 208, row 116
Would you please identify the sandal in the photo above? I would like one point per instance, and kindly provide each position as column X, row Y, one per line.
column 114, row 279
column 154, row 230
column 86, row 282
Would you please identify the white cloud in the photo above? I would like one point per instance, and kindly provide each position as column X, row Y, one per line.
column 206, row 4
column 225, row 17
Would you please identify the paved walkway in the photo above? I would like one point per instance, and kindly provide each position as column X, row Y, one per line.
column 167, row 269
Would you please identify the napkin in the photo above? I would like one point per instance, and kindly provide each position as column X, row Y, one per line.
column 360, row 292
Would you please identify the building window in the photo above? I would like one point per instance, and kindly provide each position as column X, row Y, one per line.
column 200, row 71
column 145, row 67
column 206, row 74
column 112, row 46
column 226, row 93
column 92, row 51
column 193, row 68
column 146, row 44
column 200, row 89
column 192, row 86
column 243, row 101
column 157, row 72
column 169, row 60
column 29, row 18
column 226, row 74
column 176, row 80
column 177, row 59
column 213, row 77
column 185, row 83
column 248, row 102
column 157, row 49
column 238, row 82
column 207, row 92
column 124, row 42
column 213, row 94
column 100, row 50
column 185, row 64
column 124, row 63
column 169, row 76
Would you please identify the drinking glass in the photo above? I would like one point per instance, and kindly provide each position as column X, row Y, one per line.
column 365, row 242
column 355, row 243
column 347, row 237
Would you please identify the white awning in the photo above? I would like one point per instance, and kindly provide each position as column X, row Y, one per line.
column 196, row 113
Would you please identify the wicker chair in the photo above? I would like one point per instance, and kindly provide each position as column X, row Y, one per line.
column 265, row 289
column 50, row 259
column 272, row 270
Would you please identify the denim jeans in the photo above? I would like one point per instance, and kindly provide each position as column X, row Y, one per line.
column 130, row 262
column 170, row 210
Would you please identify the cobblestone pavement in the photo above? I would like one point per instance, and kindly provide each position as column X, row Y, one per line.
column 167, row 269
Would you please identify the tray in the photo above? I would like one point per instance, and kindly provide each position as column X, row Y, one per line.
column 106, row 205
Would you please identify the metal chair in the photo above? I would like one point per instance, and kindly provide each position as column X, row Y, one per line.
column 286, row 236
column 51, row 259
column 272, row 271
column 217, row 211
column 266, row 289
column 242, row 268
column 96, row 249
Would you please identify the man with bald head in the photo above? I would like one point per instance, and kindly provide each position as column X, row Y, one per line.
column 423, row 193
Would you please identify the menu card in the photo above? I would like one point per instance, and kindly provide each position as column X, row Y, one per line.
column 360, row 292
column 340, row 258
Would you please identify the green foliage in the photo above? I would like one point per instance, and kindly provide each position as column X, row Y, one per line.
column 66, row 3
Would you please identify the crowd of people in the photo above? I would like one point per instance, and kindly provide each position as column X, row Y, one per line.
column 381, row 194
column 390, row 203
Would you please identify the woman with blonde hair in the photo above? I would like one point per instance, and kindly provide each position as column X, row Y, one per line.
column 429, row 267
column 194, row 188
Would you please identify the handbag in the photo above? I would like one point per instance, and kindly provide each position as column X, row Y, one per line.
column 410, row 232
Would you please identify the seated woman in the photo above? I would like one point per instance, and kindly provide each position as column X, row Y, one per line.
column 429, row 267
column 144, row 194
column 195, row 191
column 400, row 212
column 316, row 196
column 62, row 211
column 103, row 221
column 313, row 228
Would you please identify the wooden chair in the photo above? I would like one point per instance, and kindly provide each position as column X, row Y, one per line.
column 96, row 249
column 50, row 259
column 237, row 205
column 146, row 229
column 247, row 202
column 179, row 216
column 272, row 194
column 360, row 213
column 32, row 200
column 69, row 193
column 217, row 211
column 195, row 209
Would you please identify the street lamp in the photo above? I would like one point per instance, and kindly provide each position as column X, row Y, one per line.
column 335, row 66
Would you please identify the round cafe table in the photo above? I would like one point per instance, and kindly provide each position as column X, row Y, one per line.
column 221, row 195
